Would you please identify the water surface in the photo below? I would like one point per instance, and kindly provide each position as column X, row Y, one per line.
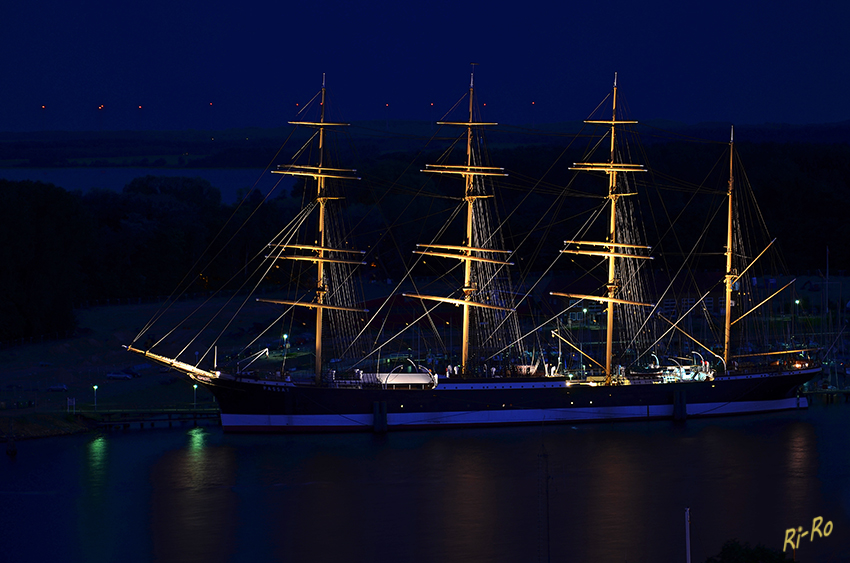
column 594, row 492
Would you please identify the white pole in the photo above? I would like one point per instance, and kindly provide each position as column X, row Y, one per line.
column 688, row 535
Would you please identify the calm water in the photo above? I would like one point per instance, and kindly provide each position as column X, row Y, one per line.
column 596, row 492
column 228, row 180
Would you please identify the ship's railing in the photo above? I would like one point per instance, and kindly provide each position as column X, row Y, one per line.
column 773, row 367
column 395, row 379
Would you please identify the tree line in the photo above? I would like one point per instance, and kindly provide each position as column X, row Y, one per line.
column 64, row 248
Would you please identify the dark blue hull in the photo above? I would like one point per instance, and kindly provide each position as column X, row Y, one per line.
column 253, row 405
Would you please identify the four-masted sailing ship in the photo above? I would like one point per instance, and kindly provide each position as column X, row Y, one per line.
column 493, row 384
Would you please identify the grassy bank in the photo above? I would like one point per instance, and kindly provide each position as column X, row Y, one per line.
column 43, row 425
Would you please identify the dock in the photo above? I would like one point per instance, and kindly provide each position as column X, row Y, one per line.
column 828, row 395
column 125, row 419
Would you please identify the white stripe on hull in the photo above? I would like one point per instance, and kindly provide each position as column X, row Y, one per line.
column 295, row 421
column 507, row 417
column 741, row 407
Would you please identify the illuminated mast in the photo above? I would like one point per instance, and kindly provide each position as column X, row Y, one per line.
column 613, row 249
column 466, row 252
column 320, row 253
column 730, row 276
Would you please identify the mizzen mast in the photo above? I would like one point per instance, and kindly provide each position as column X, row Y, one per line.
column 730, row 277
column 319, row 252
column 613, row 250
column 467, row 252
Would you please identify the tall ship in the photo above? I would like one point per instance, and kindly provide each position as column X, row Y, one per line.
column 493, row 367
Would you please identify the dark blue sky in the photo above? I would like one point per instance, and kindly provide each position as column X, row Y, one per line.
column 729, row 60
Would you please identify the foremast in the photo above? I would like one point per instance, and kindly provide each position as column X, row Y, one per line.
column 613, row 250
column 466, row 252
column 319, row 253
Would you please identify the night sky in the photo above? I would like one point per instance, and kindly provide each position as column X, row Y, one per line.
column 193, row 64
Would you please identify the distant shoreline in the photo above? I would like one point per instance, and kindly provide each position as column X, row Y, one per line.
column 35, row 425
column 231, row 182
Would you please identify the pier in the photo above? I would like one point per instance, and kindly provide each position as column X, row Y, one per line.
column 126, row 419
column 828, row 395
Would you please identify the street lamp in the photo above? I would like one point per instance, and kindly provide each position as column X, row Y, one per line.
column 581, row 341
column 451, row 340
column 794, row 320
column 195, row 389
column 285, row 352
column 95, row 396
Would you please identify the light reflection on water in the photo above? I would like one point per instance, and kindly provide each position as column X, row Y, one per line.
column 94, row 519
column 193, row 502
column 615, row 492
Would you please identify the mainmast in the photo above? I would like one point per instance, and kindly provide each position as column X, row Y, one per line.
column 614, row 249
column 319, row 253
column 466, row 252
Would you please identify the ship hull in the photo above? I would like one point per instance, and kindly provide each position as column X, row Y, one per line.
column 249, row 405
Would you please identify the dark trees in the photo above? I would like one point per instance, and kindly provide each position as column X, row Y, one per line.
column 45, row 234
